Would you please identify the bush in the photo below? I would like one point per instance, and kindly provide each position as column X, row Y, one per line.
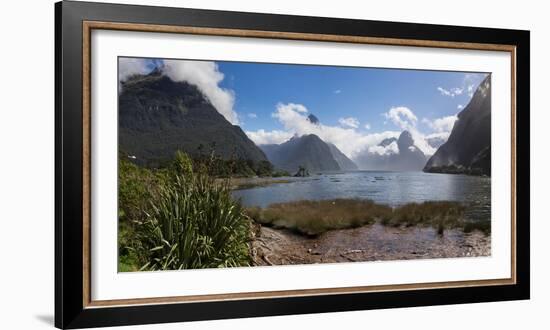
column 194, row 223
column 133, row 192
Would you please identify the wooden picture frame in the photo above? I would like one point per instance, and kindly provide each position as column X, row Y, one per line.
column 74, row 306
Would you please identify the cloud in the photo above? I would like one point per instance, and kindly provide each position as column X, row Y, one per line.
column 450, row 92
column 443, row 124
column 128, row 67
column 391, row 148
column 468, row 85
column 460, row 107
column 207, row 77
column 338, row 91
column 347, row 138
column 367, row 126
column 438, row 135
column 252, row 115
column 204, row 75
column 352, row 142
column 405, row 119
column 272, row 137
column 471, row 90
column 402, row 117
column 349, row 122
column 293, row 117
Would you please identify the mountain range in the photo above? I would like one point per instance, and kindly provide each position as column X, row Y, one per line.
column 468, row 149
column 158, row 116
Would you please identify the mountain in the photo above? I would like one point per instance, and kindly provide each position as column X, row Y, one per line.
column 157, row 116
column 308, row 151
column 387, row 141
column 468, row 149
column 393, row 154
column 436, row 141
column 312, row 119
column 343, row 161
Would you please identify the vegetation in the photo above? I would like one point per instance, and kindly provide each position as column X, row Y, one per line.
column 183, row 215
column 316, row 217
column 440, row 215
column 187, row 220
column 248, row 183
column 233, row 167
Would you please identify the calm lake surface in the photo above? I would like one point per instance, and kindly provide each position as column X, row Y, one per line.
column 391, row 188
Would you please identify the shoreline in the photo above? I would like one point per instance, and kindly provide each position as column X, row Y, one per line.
column 255, row 182
column 374, row 242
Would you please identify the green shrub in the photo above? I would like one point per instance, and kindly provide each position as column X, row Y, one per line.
column 194, row 223
column 132, row 189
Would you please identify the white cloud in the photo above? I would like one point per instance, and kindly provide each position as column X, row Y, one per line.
column 450, row 92
column 440, row 135
column 443, row 124
column 471, row 90
column 349, row 122
column 252, row 115
column 273, row 137
column 349, row 140
column 338, row 91
column 293, row 117
column 468, row 85
column 420, row 141
column 367, row 126
column 206, row 76
column 403, row 117
column 460, row 107
column 128, row 67
column 443, row 91
column 391, row 148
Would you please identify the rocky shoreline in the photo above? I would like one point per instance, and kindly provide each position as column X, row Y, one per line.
column 376, row 242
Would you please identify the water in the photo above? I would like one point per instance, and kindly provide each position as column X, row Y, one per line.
column 391, row 188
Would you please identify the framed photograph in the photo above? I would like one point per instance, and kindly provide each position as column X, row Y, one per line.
column 218, row 164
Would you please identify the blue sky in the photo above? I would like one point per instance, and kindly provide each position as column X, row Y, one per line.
column 357, row 107
column 332, row 92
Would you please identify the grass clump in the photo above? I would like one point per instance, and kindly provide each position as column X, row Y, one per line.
column 192, row 222
column 315, row 217
column 437, row 214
